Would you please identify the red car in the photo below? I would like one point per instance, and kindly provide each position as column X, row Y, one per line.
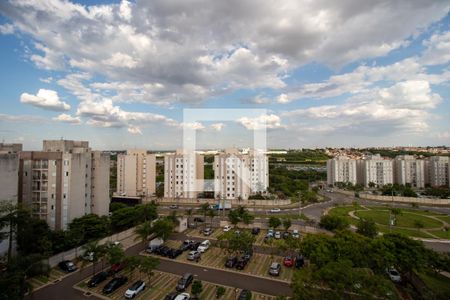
column 115, row 268
column 288, row 261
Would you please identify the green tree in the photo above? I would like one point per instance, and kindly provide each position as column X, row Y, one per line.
column 233, row 217
column 143, row 231
column 98, row 252
column 333, row 223
column 237, row 242
column 133, row 263
column 418, row 224
column 274, row 222
column 114, row 254
column 287, row 224
column 220, row 292
column 197, row 288
column 372, row 184
column 116, row 206
column 89, row 227
column 148, row 264
column 367, row 227
column 163, row 228
column 9, row 215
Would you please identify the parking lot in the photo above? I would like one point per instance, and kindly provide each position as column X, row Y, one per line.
column 215, row 258
column 162, row 284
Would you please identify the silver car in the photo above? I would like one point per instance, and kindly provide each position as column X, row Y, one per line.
column 194, row 256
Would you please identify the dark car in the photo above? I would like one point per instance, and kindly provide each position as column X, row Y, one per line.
column 245, row 295
column 198, row 220
column 67, row 266
column 184, row 282
column 171, row 296
column 231, row 262
column 255, row 231
column 97, row 278
column 299, row 261
column 116, row 268
column 286, row 235
column 241, row 263
column 164, row 251
column 186, row 244
column 114, row 284
column 248, row 254
column 194, row 245
column 174, row 253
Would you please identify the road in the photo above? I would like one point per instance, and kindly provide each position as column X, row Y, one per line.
column 64, row 289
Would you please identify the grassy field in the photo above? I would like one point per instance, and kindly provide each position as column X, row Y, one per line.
column 438, row 284
column 408, row 232
column 441, row 233
column 406, row 219
column 161, row 284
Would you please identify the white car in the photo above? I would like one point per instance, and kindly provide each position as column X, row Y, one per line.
column 275, row 210
column 183, row 296
column 227, row 228
column 295, row 234
column 135, row 289
column 394, row 274
column 277, row 235
column 204, row 246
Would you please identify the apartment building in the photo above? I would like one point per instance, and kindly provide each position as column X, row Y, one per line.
column 64, row 181
column 409, row 170
column 437, row 170
column 374, row 168
column 9, row 180
column 136, row 173
column 341, row 169
column 239, row 175
column 183, row 174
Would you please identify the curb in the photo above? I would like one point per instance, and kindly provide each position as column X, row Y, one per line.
column 92, row 293
column 217, row 269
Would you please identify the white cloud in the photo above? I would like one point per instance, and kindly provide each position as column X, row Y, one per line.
column 46, row 99
column 6, row 29
column 443, row 135
column 51, row 60
column 217, row 126
column 192, row 125
column 262, row 122
column 134, row 130
column 438, row 49
column 67, row 119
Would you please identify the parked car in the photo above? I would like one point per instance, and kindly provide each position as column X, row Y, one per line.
column 255, row 231
column 194, row 256
column 164, row 251
column 270, row 233
column 97, row 278
column 186, row 244
column 394, row 275
column 198, row 220
column 184, row 282
column 275, row 269
column 295, row 234
column 114, row 284
column 194, row 245
column 275, row 210
column 245, row 294
column 154, row 244
column 204, row 246
column 116, row 268
column 67, row 266
column 227, row 228
column 288, row 261
column 237, row 232
column 241, row 263
column 183, row 296
column 207, row 231
column 231, row 262
column 88, row 255
column 174, row 253
column 248, row 254
column 299, row 261
column 171, row 296
column 286, row 234
column 277, row 235
column 135, row 289
column 173, row 206
column 267, row 238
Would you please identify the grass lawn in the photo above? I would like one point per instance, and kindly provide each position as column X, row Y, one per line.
column 441, row 233
column 437, row 283
column 342, row 211
column 408, row 232
column 406, row 219
column 444, row 218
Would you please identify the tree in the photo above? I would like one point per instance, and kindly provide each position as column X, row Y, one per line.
column 237, row 242
column 89, row 227
column 148, row 264
column 163, row 228
column 372, row 184
column 197, row 288
column 133, row 263
column 114, row 254
column 333, row 223
column 97, row 250
column 287, row 224
column 211, row 213
column 8, row 218
column 147, row 212
column 220, row 292
column 116, row 206
column 367, row 227
column 418, row 224
column 274, row 222
column 233, row 217
column 143, row 231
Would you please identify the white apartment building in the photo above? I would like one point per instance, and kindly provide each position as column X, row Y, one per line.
column 374, row 168
column 183, row 175
column 136, row 173
column 341, row 169
column 64, row 181
column 437, row 170
column 409, row 170
column 240, row 175
column 9, row 181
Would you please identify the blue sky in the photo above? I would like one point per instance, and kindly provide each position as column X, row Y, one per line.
column 120, row 73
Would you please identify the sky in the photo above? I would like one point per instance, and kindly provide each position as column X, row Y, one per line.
column 324, row 73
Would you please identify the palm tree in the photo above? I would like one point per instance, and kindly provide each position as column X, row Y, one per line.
column 133, row 263
column 94, row 248
column 9, row 215
column 148, row 264
column 143, row 231
column 211, row 213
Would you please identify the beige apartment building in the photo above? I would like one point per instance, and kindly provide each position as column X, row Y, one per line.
column 9, row 180
column 409, row 170
column 64, row 181
column 341, row 169
column 238, row 175
column 376, row 169
column 437, row 170
column 136, row 173
column 183, row 174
